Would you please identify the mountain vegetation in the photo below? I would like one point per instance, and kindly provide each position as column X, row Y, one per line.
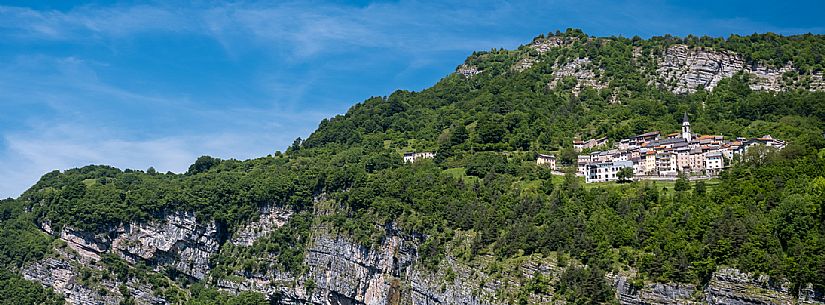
column 765, row 214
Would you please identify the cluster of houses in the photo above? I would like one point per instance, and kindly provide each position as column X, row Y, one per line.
column 652, row 156
column 411, row 157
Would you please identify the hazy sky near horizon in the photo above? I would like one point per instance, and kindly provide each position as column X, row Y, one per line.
column 137, row 84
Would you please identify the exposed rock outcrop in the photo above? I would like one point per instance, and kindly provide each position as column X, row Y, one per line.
column 543, row 45
column 583, row 71
column 178, row 241
column 730, row 286
column 271, row 218
column 525, row 63
column 339, row 270
column 87, row 245
column 683, row 70
column 652, row 293
column 467, row 70
column 63, row 278
column 727, row 286
column 64, row 273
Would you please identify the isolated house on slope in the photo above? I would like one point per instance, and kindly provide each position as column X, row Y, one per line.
column 411, row 157
column 547, row 160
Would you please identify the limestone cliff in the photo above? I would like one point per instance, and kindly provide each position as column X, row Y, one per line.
column 678, row 68
column 583, row 71
column 726, row 286
column 341, row 271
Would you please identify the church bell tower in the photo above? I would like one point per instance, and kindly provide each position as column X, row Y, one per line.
column 686, row 129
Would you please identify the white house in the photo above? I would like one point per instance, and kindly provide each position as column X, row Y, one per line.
column 666, row 163
column 581, row 162
column 714, row 162
column 411, row 157
column 606, row 171
column 766, row 140
column 649, row 167
column 547, row 160
column 578, row 145
column 697, row 160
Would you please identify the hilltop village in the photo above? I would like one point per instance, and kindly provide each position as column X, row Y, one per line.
column 651, row 156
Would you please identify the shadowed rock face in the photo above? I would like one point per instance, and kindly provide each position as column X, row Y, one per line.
column 341, row 271
column 63, row 273
column 178, row 241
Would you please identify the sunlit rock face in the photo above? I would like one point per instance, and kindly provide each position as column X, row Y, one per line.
column 684, row 70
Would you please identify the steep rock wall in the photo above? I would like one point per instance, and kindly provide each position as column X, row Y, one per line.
column 726, row 286
column 683, row 70
column 342, row 271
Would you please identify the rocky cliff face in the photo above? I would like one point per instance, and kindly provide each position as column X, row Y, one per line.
column 543, row 45
column 678, row 68
column 583, row 71
column 271, row 218
column 341, row 271
column 683, row 70
column 344, row 272
column 176, row 242
column 727, row 286
column 76, row 277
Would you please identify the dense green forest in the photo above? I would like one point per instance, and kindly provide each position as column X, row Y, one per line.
column 766, row 214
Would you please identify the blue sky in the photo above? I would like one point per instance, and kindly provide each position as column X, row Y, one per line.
column 138, row 84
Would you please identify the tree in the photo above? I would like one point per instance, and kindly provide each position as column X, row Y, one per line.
column 699, row 188
column 568, row 156
column 758, row 154
column 490, row 129
column 458, row 134
column 444, row 152
column 682, row 183
column 202, row 164
column 296, row 145
column 484, row 163
column 625, row 174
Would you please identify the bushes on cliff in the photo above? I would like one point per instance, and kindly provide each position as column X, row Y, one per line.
column 14, row 290
column 20, row 243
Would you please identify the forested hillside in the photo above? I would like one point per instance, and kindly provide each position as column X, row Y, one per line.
column 483, row 197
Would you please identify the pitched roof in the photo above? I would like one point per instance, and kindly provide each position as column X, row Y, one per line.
column 714, row 154
column 647, row 134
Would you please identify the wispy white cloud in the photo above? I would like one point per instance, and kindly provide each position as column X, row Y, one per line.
column 31, row 153
column 47, row 146
column 69, row 108
column 89, row 22
column 58, row 113
column 302, row 28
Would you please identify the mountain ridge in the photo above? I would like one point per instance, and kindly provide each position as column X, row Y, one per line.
column 339, row 218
